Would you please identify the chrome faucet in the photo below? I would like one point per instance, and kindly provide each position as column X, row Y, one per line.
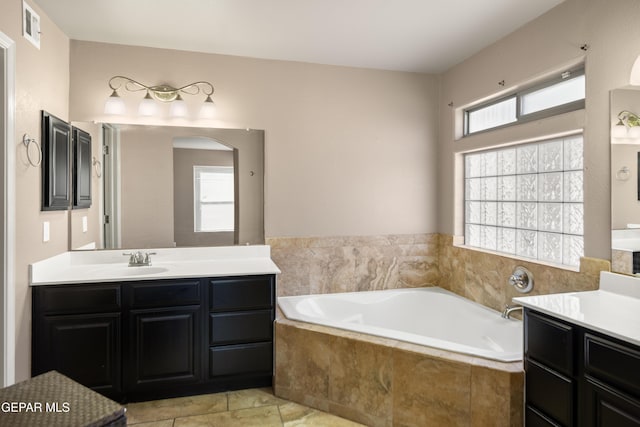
column 508, row 309
column 139, row 259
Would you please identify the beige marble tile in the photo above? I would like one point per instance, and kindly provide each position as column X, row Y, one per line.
column 622, row 261
column 302, row 360
column 496, row 398
column 361, row 378
column 265, row 416
column 594, row 266
column 482, row 277
column 171, row 408
column 252, row 398
column 354, row 263
column 430, row 392
column 294, row 415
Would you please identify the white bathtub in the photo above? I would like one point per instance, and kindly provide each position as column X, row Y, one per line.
column 428, row 316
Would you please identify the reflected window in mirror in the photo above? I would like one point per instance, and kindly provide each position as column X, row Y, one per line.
column 213, row 198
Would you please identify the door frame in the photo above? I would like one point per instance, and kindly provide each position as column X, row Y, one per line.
column 8, row 210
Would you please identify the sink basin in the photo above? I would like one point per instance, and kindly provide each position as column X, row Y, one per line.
column 130, row 271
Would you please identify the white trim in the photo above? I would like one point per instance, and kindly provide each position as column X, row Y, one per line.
column 8, row 310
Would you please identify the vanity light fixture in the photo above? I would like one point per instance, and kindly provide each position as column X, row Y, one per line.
column 627, row 130
column 164, row 93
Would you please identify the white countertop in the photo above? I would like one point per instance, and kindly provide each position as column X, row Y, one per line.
column 614, row 309
column 112, row 266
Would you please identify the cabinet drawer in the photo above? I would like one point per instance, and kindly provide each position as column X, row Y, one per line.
column 549, row 392
column 242, row 293
column 173, row 293
column 613, row 363
column 241, row 359
column 240, row 326
column 549, row 342
column 77, row 299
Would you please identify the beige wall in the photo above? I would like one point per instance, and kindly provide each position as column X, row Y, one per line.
column 183, row 193
column 348, row 151
column 532, row 51
column 42, row 83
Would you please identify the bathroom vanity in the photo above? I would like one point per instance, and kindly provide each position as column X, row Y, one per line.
column 175, row 328
column 582, row 356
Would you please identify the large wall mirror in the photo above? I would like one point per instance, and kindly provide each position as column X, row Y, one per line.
column 166, row 186
column 625, row 189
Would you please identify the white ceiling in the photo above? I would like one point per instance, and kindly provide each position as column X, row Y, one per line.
column 407, row 35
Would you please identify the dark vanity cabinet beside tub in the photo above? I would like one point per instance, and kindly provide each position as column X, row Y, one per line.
column 578, row 377
column 148, row 339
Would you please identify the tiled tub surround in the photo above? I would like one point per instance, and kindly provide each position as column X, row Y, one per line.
column 482, row 276
column 379, row 381
column 384, row 382
column 318, row 265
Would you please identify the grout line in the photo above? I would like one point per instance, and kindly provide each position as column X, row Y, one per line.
column 280, row 415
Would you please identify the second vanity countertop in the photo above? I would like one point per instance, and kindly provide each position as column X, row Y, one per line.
column 172, row 263
column 614, row 309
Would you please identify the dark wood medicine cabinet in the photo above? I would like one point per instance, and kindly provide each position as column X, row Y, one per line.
column 66, row 165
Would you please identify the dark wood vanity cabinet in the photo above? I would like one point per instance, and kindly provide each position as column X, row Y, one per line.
column 578, row 377
column 144, row 340
column 77, row 331
column 164, row 325
column 241, row 314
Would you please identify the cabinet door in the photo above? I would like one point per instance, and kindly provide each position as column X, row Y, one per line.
column 84, row 347
column 608, row 407
column 56, row 143
column 81, row 169
column 164, row 347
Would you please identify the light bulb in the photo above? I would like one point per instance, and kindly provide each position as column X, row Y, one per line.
column 148, row 106
column 208, row 109
column 178, row 108
column 634, row 132
column 114, row 105
column 619, row 131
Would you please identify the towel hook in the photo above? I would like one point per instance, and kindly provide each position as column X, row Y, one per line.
column 27, row 141
column 97, row 166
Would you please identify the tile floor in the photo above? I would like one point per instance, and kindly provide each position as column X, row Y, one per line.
column 242, row 408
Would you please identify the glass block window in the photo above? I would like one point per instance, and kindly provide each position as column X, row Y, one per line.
column 527, row 200
column 213, row 198
column 558, row 95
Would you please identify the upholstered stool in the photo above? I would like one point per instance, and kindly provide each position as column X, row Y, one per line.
column 51, row 399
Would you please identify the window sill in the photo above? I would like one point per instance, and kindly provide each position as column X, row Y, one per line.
column 517, row 258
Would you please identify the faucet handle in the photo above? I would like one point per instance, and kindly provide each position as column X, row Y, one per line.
column 147, row 257
column 132, row 257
